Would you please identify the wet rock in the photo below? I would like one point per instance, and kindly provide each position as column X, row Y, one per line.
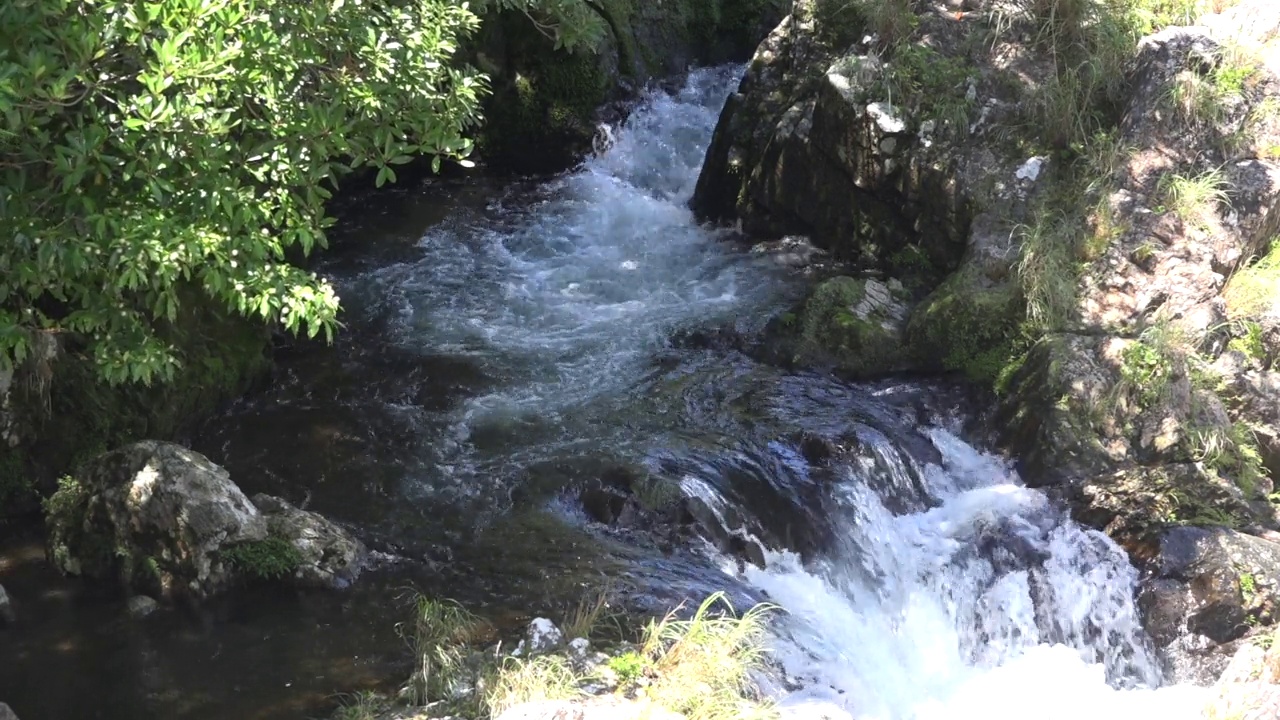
column 7, row 713
column 328, row 555
column 811, row 146
column 1206, row 587
column 7, row 616
column 154, row 514
column 854, row 326
column 140, row 606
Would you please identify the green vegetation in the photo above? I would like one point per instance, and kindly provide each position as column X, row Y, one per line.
column 438, row 636
column 1196, row 200
column 540, row 678
column 585, row 617
column 365, row 705
column 700, row 667
column 703, row 665
column 270, row 559
column 629, row 666
column 175, row 153
column 1254, row 290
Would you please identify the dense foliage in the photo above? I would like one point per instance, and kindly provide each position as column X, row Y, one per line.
column 156, row 152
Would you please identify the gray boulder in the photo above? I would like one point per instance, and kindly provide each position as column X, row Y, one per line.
column 155, row 515
column 6, row 608
column 167, row 522
column 327, row 555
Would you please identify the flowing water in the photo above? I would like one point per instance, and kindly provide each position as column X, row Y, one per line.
column 506, row 343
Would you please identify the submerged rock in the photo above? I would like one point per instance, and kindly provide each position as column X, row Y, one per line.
column 165, row 521
column 141, row 606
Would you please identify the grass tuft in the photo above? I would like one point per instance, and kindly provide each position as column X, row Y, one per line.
column 585, row 617
column 703, row 665
column 1254, row 290
column 438, row 635
column 537, row 679
column 364, row 705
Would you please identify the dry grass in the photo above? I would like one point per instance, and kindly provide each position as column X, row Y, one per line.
column 703, row 665
column 1254, row 290
column 537, row 679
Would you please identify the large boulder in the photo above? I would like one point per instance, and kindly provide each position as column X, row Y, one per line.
column 1205, row 589
column 157, row 516
column 165, row 521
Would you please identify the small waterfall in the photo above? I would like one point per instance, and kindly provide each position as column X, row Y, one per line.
column 990, row 605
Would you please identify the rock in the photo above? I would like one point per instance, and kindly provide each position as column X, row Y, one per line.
column 167, row 522
column 962, row 326
column 7, row 616
column 542, row 637
column 855, row 326
column 154, row 515
column 140, row 606
column 328, row 555
column 1206, row 587
column 7, row 713
column 1249, row 688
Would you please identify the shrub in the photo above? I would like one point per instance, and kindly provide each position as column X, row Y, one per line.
column 270, row 559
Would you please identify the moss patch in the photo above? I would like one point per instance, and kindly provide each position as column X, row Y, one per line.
column 968, row 326
column 270, row 559
column 832, row 330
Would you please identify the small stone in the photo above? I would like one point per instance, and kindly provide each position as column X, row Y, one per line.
column 141, row 606
column 1030, row 169
column 7, row 713
column 886, row 118
column 888, row 145
column 542, row 636
column 6, row 611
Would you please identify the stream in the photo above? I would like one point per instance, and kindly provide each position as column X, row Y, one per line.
column 506, row 343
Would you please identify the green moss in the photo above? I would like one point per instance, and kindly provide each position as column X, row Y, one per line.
column 548, row 106
column 830, row 330
column 969, row 327
column 269, row 559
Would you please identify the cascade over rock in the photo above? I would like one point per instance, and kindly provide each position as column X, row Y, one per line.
column 1131, row 398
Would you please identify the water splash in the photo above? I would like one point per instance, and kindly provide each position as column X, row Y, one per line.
column 990, row 605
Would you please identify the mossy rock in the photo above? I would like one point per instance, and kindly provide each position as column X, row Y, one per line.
column 966, row 325
column 853, row 325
